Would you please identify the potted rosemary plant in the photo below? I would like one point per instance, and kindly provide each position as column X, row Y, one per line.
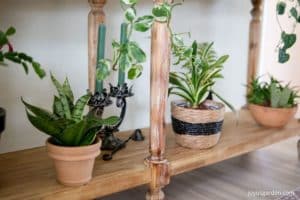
column 197, row 119
column 272, row 104
column 7, row 53
column 73, row 144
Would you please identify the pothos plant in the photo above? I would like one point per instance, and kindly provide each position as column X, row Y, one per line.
column 202, row 68
column 7, row 53
column 67, row 124
column 129, row 56
column 287, row 38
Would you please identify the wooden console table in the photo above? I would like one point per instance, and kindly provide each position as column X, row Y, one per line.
column 29, row 174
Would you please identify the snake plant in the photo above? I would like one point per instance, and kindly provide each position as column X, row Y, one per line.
column 66, row 123
column 202, row 68
column 272, row 94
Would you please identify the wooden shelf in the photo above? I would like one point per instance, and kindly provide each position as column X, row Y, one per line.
column 29, row 174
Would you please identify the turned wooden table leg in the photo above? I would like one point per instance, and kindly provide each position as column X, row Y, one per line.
column 96, row 17
column 254, row 40
column 160, row 67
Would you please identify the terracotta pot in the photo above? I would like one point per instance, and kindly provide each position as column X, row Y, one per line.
column 197, row 128
column 272, row 117
column 73, row 165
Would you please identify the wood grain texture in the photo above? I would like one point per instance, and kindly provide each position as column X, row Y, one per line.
column 272, row 168
column 29, row 174
column 254, row 40
column 96, row 16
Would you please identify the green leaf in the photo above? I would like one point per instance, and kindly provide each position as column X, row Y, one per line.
column 3, row 39
column 10, row 31
column 136, row 53
column 220, row 61
column 89, row 138
column 124, row 62
column 129, row 2
column 130, row 14
column 46, row 126
column 294, row 13
column 73, row 134
column 38, row 70
column 283, row 57
column 224, row 101
column 63, row 97
column 143, row 24
column 39, row 112
column 135, row 72
column 67, row 90
column 58, row 107
column 103, row 71
column 79, row 107
column 162, row 12
column 25, row 67
column 288, row 39
column 280, row 7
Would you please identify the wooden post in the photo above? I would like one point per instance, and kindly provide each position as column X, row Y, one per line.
column 254, row 40
column 96, row 17
column 160, row 67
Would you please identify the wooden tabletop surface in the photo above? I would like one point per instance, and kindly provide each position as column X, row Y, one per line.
column 29, row 174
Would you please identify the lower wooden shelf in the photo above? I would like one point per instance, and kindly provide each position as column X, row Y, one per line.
column 29, row 174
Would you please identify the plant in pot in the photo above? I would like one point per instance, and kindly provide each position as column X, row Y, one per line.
column 7, row 53
column 272, row 104
column 197, row 119
column 73, row 144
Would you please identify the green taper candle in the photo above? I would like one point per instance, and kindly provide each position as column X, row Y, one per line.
column 100, row 53
column 123, row 40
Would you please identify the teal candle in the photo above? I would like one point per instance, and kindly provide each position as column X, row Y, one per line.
column 100, row 53
column 123, row 40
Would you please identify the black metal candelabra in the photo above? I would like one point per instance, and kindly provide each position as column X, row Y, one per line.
column 101, row 100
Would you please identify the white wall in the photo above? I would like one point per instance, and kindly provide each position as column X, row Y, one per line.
column 287, row 72
column 55, row 33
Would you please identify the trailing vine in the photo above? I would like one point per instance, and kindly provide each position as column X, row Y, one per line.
column 287, row 38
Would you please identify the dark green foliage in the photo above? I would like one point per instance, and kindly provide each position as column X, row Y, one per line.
column 287, row 40
column 202, row 67
column 272, row 94
column 17, row 57
column 66, row 123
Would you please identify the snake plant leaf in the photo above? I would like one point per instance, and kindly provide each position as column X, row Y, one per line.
column 73, row 134
column 58, row 107
column 144, row 23
column 89, row 138
column 280, row 7
column 130, row 14
column 79, row 107
column 93, row 122
column 136, row 53
column 68, row 90
column 49, row 127
column 39, row 112
column 63, row 97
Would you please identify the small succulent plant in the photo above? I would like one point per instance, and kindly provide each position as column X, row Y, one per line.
column 67, row 124
column 273, row 94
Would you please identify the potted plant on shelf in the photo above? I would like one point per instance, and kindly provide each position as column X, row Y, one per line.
column 7, row 53
column 272, row 104
column 73, row 144
column 197, row 120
